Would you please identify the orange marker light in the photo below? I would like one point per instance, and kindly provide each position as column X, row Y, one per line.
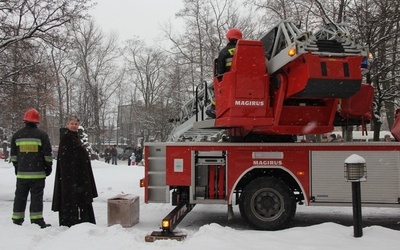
column 292, row 52
column 165, row 224
column 300, row 173
column 142, row 183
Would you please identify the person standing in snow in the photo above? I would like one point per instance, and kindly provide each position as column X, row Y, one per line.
column 114, row 155
column 138, row 154
column 107, row 154
column 74, row 185
column 132, row 159
column 31, row 156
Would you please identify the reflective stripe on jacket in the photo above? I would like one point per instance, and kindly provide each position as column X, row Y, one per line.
column 31, row 152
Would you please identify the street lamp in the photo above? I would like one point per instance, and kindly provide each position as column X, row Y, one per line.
column 355, row 171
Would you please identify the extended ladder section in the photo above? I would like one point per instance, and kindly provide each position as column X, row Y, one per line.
column 335, row 40
column 332, row 40
column 194, row 111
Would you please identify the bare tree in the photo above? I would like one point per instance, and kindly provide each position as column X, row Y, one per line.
column 28, row 29
column 377, row 23
column 24, row 20
column 27, row 19
column 97, row 58
column 31, row 85
column 146, row 67
column 64, row 69
column 206, row 22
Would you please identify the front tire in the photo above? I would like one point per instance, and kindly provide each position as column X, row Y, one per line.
column 267, row 203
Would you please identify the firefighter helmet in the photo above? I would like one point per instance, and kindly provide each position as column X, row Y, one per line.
column 234, row 33
column 32, row 115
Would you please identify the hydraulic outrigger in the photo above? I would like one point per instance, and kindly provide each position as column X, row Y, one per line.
column 170, row 222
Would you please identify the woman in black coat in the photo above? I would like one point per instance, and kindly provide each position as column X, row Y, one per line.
column 74, row 185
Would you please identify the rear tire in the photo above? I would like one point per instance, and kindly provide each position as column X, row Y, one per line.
column 267, row 203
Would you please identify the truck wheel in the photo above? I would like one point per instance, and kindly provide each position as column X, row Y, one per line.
column 267, row 204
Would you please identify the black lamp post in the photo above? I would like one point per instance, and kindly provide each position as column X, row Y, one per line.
column 355, row 171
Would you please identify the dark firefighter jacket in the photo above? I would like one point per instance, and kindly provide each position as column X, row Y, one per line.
column 31, row 153
column 74, row 183
column 224, row 60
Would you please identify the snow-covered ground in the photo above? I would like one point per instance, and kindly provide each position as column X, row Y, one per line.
column 206, row 226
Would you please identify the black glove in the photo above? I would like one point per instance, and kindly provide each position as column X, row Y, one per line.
column 48, row 170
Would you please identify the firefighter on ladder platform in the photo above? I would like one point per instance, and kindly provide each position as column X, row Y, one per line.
column 224, row 61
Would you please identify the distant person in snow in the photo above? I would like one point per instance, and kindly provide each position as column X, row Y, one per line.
column 114, row 155
column 107, row 154
column 74, row 185
column 132, row 159
column 31, row 156
column 139, row 154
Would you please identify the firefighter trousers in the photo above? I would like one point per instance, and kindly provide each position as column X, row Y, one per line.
column 36, row 189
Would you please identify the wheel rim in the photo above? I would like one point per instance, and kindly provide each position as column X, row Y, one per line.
column 267, row 204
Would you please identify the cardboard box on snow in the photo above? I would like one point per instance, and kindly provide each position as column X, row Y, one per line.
column 123, row 209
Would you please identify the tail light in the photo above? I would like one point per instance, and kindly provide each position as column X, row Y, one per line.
column 142, row 183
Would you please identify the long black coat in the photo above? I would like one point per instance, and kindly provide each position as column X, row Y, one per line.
column 74, row 185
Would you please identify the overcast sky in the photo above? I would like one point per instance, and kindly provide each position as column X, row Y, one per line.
column 135, row 17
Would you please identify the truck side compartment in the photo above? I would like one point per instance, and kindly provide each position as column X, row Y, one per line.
column 309, row 173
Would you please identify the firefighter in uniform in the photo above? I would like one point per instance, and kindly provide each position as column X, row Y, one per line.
column 224, row 61
column 31, row 156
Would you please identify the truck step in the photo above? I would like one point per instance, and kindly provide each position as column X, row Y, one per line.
column 161, row 235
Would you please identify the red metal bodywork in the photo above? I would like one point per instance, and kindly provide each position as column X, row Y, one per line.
column 359, row 105
column 302, row 98
column 241, row 158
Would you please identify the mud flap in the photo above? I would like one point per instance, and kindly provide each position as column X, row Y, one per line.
column 230, row 212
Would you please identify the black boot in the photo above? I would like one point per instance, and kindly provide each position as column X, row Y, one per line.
column 18, row 221
column 41, row 223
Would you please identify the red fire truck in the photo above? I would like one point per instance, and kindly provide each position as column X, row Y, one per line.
column 290, row 83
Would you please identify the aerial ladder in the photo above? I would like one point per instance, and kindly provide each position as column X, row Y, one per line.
column 292, row 83
column 191, row 112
